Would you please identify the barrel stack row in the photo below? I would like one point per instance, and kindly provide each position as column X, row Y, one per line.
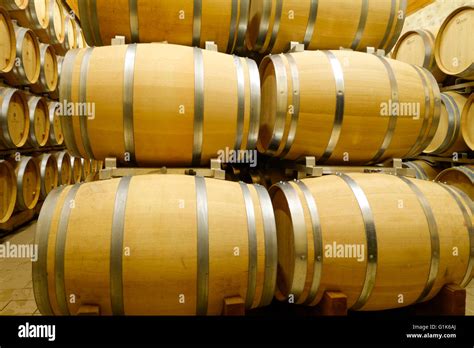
column 31, row 42
column 33, row 38
column 445, row 51
column 181, row 245
column 27, row 180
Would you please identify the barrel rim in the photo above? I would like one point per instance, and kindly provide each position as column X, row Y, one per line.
column 11, row 29
column 44, row 161
column 23, row 164
column 8, row 94
column 43, row 81
column 63, row 157
column 429, row 59
column 22, row 75
column 465, row 72
column 466, row 170
column 12, row 180
column 33, row 104
column 468, row 138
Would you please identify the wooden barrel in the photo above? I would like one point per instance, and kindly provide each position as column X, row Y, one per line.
column 448, row 138
column 345, row 107
column 64, row 168
column 8, row 40
column 55, row 94
column 26, row 70
column 324, row 24
column 14, row 118
column 49, row 76
column 7, row 191
column 48, row 172
column 461, row 177
column 35, row 16
column 377, row 263
column 54, row 34
column 55, row 133
column 14, row 5
column 39, row 121
column 424, row 170
column 226, row 246
column 417, row 47
column 454, row 48
column 189, row 23
column 86, row 169
column 69, row 41
column 80, row 39
column 76, row 168
column 467, row 122
column 209, row 103
column 28, row 182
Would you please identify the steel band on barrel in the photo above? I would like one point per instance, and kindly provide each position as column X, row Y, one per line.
column 116, row 247
column 252, row 245
column 434, row 237
column 340, row 102
column 202, row 246
column 371, row 237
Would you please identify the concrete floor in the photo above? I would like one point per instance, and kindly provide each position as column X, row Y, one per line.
column 16, row 289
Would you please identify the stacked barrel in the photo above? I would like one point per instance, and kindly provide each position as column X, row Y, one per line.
column 34, row 37
column 307, row 79
column 448, row 53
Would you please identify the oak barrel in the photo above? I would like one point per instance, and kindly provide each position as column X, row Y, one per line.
column 26, row 70
column 49, row 173
column 345, row 107
column 14, row 5
column 324, row 24
column 461, row 177
column 70, row 35
column 86, row 168
column 165, row 104
column 454, row 48
column 48, row 79
column 193, row 248
column 39, row 121
column 182, row 22
column 35, row 16
column 55, row 133
column 7, row 42
column 64, row 168
column 76, row 169
column 55, row 94
column 14, row 118
column 54, row 34
column 28, row 182
column 424, row 170
column 467, row 122
column 407, row 239
column 448, row 138
column 417, row 47
column 7, row 191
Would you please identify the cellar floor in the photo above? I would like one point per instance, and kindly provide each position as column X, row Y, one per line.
column 16, row 288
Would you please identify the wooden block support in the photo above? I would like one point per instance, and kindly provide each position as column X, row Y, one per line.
column 118, row 40
column 88, row 310
column 333, row 303
column 451, row 300
column 234, row 306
